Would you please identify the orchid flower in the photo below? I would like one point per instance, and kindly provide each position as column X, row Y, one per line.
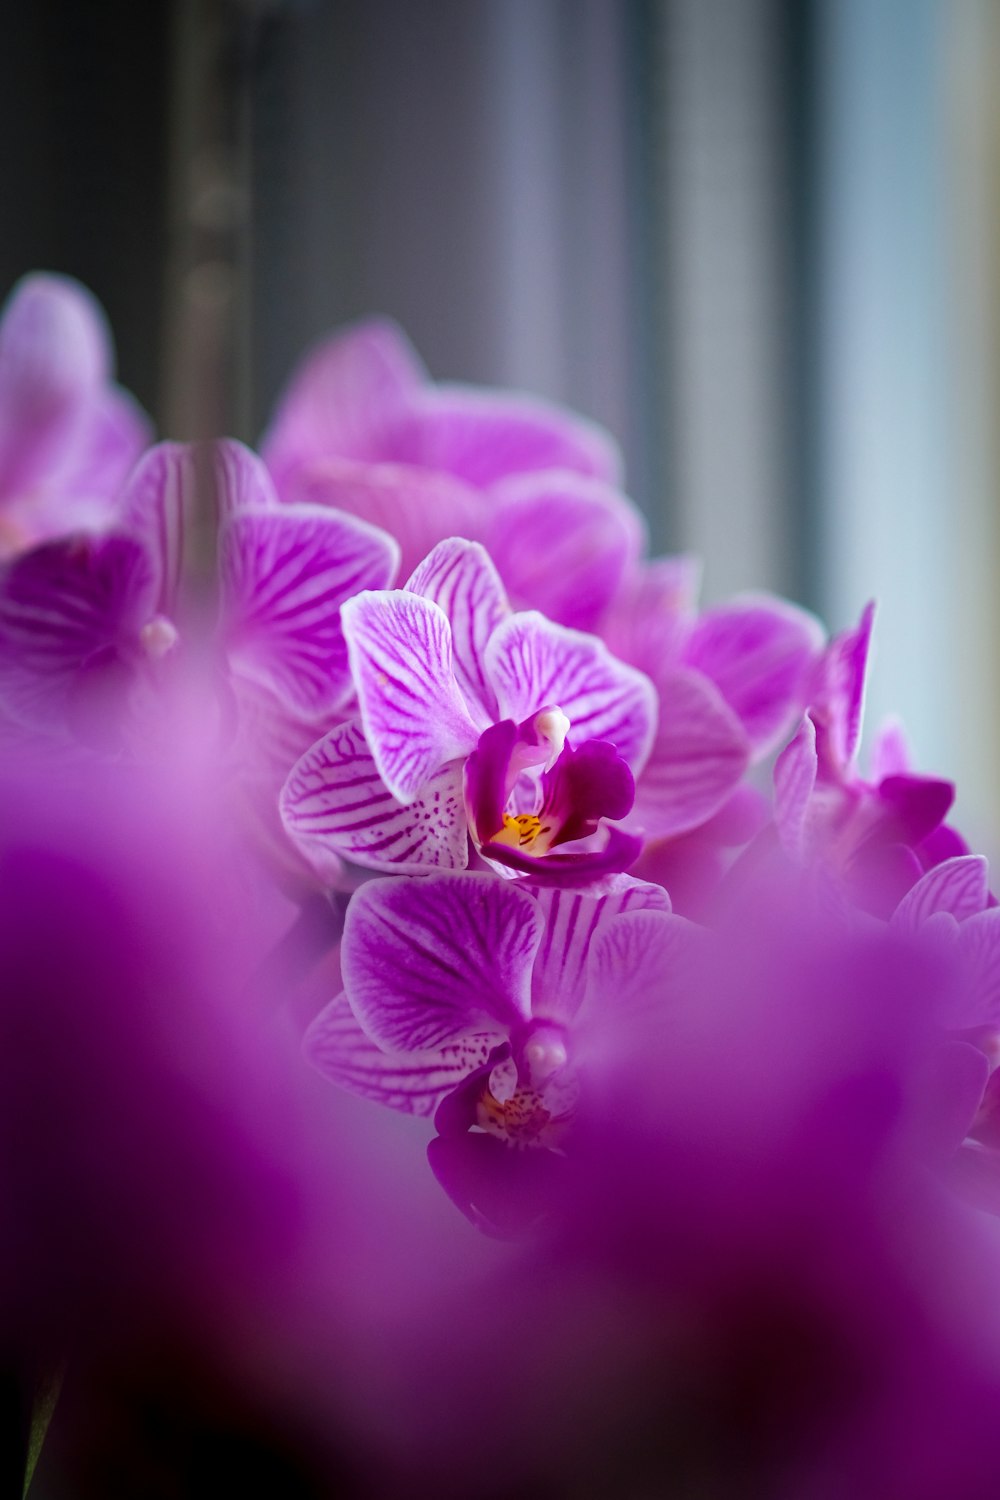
column 526, row 734
column 93, row 622
column 880, row 834
column 362, row 429
column 479, row 1001
column 68, row 435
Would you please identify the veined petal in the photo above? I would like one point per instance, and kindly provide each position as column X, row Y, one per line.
column 414, row 1082
column 844, row 692
column 636, row 964
column 55, row 354
column 242, row 481
column 117, row 431
column 62, row 606
column 419, row 507
column 534, row 664
column 283, row 576
column 795, row 773
column 335, row 801
column 761, row 653
column 572, row 921
column 459, row 576
column 483, row 436
column 342, row 400
column 698, row 756
column 428, row 961
column 959, row 886
column 414, row 716
column 980, row 940
column 562, row 543
column 158, row 506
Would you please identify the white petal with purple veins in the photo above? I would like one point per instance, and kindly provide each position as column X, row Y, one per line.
column 335, row 801
column 241, row 479
column 572, row 920
column 284, row 574
column 158, row 506
column 958, row 886
column 431, row 960
column 460, row 577
column 414, row 1082
column 534, row 664
column 414, row 716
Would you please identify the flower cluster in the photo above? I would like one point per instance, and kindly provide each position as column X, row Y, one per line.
column 425, row 704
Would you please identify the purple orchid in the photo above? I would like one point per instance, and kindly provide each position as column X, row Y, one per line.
column 92, row 626
column 480, row 1002
column 68, row 434
column 879, row 834
column 759, row 651
column 362, row 429
column 529, row 735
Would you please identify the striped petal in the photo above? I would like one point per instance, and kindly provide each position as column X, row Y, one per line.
column 795, row 773
column 428, row 961
column 697, row 760
column 572, row 921
column 414, row 1082
column 459, row 576
column 637, row 965
column 414, row 716
column 335, row 801
column 67, row 609
column 534, row 664
column 158, row 507
column 283, row 575
column 958, row 886
column 242, row 481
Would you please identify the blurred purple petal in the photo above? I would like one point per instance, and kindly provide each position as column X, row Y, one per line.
column 460, row 576
column 761, row 653
column 649, row 622
column 698, row 756
column 335, row 801
column 158, row 506
column 283, row 575
column 795, row 772
column 55, row 356
column 562, row 544
column 414, row 716
column 342, row 400
column 843, row 696
column 428, row 961
column 483, row 436
column 417, row 506
column 534, row 664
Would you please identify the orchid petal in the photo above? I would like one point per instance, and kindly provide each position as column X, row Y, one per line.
column 428, row 961
column 846, row 670
column 759, row 652
column 795, row 772
column 980, row 941
column 562, row 544
column 283, row 575
column 649, row 622
column 460, row 577
column 483, row 436
column 342, row 399
column 958, row 886
column 618, row 852
column 55, row 355
column 698, row 756
column 62, row 606
column 890, row 753
column 534, row 664
column 335, row 800
column 416, row 506
column 413, row 1082
column 414, row 716
column 637, row 964
column 158, row 506
column 572, row 921
column 117, row 432
column 241, row 480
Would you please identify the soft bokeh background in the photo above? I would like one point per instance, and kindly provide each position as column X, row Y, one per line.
column 760, row 239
